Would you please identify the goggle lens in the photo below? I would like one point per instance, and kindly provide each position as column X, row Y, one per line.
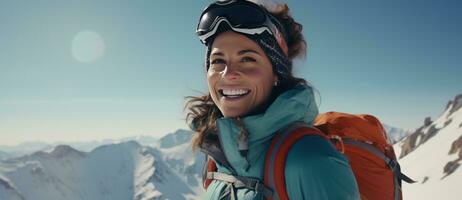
column 239, row 15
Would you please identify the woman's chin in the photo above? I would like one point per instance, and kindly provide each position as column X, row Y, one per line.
column 233, row 112
column 234, row 107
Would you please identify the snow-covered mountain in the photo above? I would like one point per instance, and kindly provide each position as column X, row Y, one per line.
column 179, row 137
column 4, row 155
column 116, row 171
column 395, row 134
column 432, row 155
column 177, row 151
column 165, row 169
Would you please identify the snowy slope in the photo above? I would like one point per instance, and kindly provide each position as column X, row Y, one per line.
column 178, row 154
column 428, row 155
column 117, row 171
column 4, row 155
column 7, row 190
column 179, row 137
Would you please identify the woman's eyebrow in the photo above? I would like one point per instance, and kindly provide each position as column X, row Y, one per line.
column 217, row 54
column 247, row 51
column 239, row 53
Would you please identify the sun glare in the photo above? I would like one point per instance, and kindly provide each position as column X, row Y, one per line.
column 87, row 46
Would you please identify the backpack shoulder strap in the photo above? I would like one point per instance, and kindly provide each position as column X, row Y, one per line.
column 210, row 166
column 214, row 155
column 276, row 156
column 391, row 163
column 394, row 166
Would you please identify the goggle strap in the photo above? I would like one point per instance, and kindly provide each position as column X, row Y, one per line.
column 275, row 32
column 281, row 41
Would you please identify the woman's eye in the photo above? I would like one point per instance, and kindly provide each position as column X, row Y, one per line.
column 217, row 61
column 247, row 59
column 217, row 64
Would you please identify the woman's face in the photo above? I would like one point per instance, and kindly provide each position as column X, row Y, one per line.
column 240, row 77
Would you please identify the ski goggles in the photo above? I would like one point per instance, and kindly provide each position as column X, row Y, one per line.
column 241, row 16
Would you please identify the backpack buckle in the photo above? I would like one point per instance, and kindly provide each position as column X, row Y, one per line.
column 256, row 185
column 338, row 142
column 252, row 183
column 392, row 165
column 261, row 188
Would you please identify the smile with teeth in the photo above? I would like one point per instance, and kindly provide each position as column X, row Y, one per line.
column 234, row 93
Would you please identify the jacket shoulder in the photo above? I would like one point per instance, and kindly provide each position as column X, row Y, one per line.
column 316, row 170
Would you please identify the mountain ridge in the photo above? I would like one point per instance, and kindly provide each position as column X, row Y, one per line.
column 432, row 155
column 137, row 172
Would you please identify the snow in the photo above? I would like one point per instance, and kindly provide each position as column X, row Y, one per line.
column 429, row 159
column 117, row 171
column 168, row 168
column 4, row 156
column 397, row 147
column 417, row 140
column 143, row 172
column 8, row 190
column 180, row 152
column 178, row 137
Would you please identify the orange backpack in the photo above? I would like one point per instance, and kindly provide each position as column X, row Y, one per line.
column 361, row 138
column 371, row 156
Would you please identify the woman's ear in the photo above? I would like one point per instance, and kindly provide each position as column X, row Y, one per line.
column 275, row 80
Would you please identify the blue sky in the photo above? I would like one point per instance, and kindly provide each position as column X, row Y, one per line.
column 398, row 60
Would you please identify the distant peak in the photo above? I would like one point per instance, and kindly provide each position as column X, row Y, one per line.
column 455, row 104
column 428, row 121
column 178, row 137
column 64, row 150
column 182, row 132
column 130, row 144
column 458, row 97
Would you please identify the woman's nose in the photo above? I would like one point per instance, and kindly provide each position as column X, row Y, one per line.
column 231, row 72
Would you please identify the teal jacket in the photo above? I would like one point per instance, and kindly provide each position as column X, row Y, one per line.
column 314, row 168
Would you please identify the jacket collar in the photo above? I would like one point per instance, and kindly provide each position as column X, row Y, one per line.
column 294, row 105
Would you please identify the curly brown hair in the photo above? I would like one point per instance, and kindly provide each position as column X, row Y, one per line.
column 296, row 41
column 202, row 111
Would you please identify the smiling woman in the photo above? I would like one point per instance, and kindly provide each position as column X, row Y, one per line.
column 252, row 98
column 87, row 46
